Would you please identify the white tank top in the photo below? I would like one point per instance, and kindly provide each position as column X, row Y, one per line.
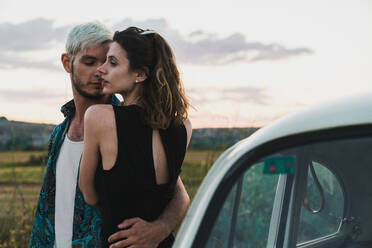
column 66, row 180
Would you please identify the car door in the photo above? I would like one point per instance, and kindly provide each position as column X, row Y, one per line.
column 306, row 190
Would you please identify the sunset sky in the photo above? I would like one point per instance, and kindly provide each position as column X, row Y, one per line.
column 243, row 63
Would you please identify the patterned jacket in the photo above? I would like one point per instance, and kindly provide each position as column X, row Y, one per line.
column 86, row 221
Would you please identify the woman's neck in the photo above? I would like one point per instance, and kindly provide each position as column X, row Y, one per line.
column 130, row 101
column 133, row 98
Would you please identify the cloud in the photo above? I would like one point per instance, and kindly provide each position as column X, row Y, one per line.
column 199, row 47
column 14, row 61
column 253, row 95
column 280, row 52
column 31, row 36
column 36, row 34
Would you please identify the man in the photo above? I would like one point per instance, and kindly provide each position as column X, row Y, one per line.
column 62, row 217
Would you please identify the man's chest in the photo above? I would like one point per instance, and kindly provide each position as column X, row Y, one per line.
column 76, row 132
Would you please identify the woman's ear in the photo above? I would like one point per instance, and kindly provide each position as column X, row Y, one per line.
column 66, row 62
column 141, row 75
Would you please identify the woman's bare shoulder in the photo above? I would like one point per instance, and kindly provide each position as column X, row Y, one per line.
column 188, row 127
column 99, row 116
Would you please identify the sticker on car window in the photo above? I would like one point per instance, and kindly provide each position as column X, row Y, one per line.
column 279, row 165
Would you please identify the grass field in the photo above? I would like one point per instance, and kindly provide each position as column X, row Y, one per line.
column 21, row 175
column 11, row 158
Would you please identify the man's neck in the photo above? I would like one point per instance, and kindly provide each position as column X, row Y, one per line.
column 76, row 129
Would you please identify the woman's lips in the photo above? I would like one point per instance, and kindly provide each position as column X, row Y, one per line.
column 103, row 82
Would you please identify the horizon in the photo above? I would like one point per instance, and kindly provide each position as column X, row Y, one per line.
column 42, row 123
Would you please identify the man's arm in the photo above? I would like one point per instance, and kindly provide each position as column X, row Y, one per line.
column 150, row 234
column 176, row 210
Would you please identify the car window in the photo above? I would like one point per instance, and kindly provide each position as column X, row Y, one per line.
column 318, row 221
column 244, row 219
column 219, row 237
column 263, row 205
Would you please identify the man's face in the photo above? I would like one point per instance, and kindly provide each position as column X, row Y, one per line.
column 85, row 78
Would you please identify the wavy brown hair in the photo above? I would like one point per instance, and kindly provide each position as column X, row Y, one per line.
column 163, row 96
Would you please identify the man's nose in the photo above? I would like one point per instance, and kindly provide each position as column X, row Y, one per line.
column 97, row 73
column 101, row 69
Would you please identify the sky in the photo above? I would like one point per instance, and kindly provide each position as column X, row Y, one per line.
column 243, row 63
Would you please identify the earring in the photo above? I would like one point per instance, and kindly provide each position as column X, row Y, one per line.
column 136, row 81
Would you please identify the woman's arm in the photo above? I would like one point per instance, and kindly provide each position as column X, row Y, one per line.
column 90, row 157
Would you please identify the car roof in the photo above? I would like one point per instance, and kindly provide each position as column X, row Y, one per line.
column 355, row 110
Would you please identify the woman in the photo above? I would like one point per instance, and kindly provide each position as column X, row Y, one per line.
column 133, row 152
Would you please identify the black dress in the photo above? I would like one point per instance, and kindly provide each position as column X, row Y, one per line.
column 129, row 188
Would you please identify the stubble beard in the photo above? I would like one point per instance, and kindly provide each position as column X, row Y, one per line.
column 77, row 85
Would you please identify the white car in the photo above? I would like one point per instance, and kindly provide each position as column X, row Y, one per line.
column 303, row 181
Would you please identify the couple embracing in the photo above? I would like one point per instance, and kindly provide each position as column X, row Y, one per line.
column 112, row 177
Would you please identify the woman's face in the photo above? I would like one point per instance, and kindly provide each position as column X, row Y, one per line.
column 117, row 77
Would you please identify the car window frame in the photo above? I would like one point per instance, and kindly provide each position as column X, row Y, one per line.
column 323, row 162
column 288, row 236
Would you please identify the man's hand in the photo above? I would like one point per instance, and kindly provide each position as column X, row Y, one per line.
column 140, row 234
